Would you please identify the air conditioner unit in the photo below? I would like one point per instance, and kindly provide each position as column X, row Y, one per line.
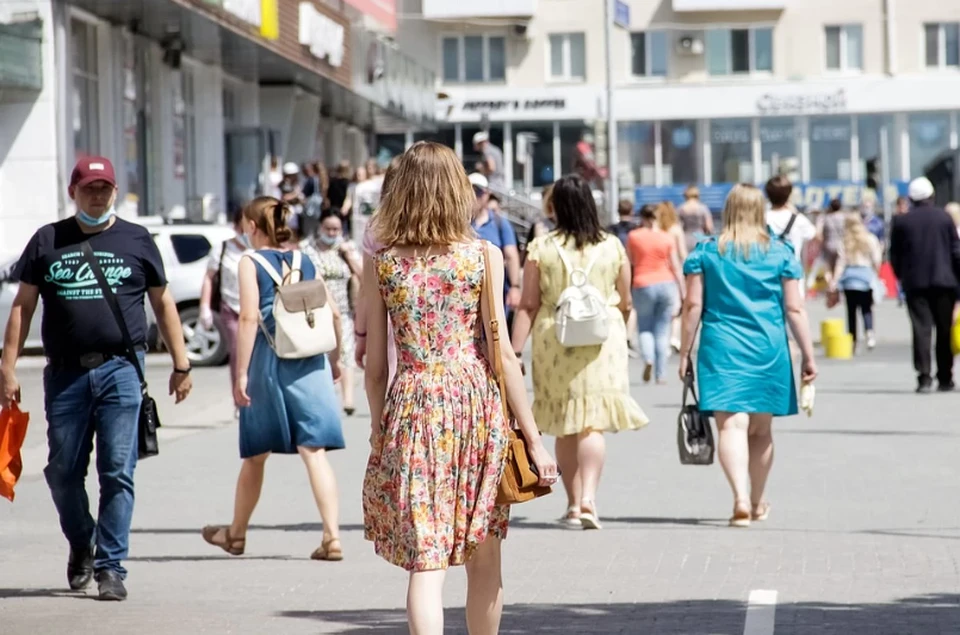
column 690, row 44
column 522, row 31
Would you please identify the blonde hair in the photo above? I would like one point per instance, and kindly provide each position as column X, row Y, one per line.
column 270, row 216
column 692, row 192
column 666, row 215
column 429, row 200
column 744, row 224
column 856, row 238
column 954, row 210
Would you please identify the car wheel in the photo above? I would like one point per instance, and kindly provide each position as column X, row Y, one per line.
column 205, row 347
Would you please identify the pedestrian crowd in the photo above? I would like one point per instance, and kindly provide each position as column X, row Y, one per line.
column 433, row 299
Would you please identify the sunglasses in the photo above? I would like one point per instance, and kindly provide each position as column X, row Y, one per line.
column 478, row 191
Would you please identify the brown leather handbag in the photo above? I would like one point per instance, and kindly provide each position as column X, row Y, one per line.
column 519, row 481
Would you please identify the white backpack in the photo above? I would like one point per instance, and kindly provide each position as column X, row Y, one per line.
column 302, row 312
column 582, row 317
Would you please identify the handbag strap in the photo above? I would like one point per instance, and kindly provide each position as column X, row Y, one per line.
column 496, row 355
column 111, row 299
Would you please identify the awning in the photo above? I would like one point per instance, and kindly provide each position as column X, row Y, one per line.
column 20, row 61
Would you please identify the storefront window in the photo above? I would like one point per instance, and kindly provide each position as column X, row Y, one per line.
column 869, row 129
column 636, row 151
column 830, row 149
column 540, row 168
column 86, row 86
column 778, row 146
column 929, row 136
column 731, row 150
column 570, row 135
column 681, row 152
column 446, row 136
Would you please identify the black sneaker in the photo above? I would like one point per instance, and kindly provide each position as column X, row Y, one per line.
column 111, row 586
column 924, row 388
column 80, row 568
column 947, row 387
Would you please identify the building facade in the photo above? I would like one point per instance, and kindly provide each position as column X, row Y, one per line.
column 711, row 92
column 192, row 99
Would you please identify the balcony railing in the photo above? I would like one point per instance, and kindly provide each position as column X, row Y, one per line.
column 458, row 9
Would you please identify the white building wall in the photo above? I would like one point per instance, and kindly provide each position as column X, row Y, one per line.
column 29, row 189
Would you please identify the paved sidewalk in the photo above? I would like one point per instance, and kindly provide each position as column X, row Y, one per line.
column 864, row 538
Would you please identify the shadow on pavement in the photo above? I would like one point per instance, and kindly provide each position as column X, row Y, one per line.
column 207, row 558
column 923, row 614
column 7, row 594
column 522, row 523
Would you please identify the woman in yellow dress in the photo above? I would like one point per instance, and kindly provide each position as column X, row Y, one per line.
column 581, row 392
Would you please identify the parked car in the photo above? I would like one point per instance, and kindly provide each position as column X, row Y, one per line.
column 185, row 250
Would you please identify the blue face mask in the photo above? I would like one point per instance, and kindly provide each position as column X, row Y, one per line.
column 87, row 219
column 245, row 241
column 328, row 240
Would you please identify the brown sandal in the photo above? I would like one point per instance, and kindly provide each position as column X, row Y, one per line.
column 329, row 550
column 219, row 536
column 761, row 512
column 741, row 515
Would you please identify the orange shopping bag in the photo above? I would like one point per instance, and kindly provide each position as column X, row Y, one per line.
column 13, row 430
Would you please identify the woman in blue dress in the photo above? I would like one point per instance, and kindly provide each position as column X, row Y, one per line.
column 287, row 406
column 744, row 286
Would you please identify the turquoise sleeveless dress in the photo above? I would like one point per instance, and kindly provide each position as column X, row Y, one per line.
column 743, row 364
column 293, row 402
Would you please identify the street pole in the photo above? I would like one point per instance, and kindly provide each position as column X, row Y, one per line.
column 885, row 174
column 612, row 194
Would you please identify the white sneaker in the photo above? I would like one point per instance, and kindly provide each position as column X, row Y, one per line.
column 871, row 341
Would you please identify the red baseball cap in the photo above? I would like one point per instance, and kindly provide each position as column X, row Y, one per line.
column 91, row 169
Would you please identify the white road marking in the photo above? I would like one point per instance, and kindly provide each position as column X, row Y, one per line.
column 761, row 613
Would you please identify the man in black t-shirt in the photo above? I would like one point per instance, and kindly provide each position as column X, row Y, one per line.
column 90, row 388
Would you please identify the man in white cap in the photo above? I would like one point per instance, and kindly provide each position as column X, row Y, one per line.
column 496, row 229
column 925, row 255
column 492, row 161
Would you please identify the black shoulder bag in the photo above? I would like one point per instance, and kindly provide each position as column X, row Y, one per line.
column 148, row 421
column 694, row 432
column 216, row 296
column 786, row 231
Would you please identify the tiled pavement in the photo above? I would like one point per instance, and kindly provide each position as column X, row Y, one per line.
column 864, row 537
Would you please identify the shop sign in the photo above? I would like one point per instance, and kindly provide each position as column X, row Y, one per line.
column 383, row 11
column 773, row 104
column 514, row 105
column 324, row 37
column 810, row 196
column 247, row 10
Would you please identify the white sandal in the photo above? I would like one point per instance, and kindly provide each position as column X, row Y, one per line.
column 571, row 518
column 589, row 519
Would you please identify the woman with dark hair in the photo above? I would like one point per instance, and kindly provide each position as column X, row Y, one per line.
column 830, row 227
column 337, row 192
column 579, row 392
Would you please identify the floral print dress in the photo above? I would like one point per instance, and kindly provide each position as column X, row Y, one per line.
column 429, row 495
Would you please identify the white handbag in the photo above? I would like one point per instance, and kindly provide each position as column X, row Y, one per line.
column 301, row 311
column 582, row 318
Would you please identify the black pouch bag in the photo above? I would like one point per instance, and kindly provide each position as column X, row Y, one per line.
column 149, row 420
column 694, row 431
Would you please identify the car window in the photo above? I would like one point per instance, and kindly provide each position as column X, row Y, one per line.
column 190, row 247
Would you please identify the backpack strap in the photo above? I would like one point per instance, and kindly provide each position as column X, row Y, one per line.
column 585, row 271
column 296, row 266
column 268, row 267
column 786, row 231
column 563, row 256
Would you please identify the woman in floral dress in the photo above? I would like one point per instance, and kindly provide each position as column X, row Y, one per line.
column 438, row 438
column 338, row 263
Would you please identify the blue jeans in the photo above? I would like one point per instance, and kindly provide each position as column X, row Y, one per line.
column 80, row 403
column 655, row 306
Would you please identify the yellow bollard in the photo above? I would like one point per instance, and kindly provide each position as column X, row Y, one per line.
column 840, row 346
column 831, row 328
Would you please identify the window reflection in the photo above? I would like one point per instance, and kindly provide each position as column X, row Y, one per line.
column 731, row 151
column 681, row 152
column 830, row 148
column 929, row 136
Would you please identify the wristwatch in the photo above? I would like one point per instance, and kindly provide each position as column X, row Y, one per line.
column 183, row 371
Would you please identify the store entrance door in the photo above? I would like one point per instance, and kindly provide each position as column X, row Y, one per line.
column 248, row 151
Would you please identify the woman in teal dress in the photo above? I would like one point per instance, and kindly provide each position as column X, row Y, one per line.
column 744, row 286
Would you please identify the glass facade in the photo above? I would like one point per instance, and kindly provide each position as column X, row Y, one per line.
column 778, row 145
column 86, row 89
column 637, row 151
column 541, row 168
column 681, row 152
column 731, row 157
column 929, row 136
column 830, row 148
